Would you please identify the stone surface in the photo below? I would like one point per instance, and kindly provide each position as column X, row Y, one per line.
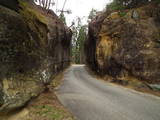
column 126, row 46
column 34, row 46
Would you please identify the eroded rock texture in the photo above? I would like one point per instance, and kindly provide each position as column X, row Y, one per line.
column 34, row 46
column 126, row 45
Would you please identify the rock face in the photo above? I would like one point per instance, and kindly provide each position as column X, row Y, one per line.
column 34, row 46
column 126, row 45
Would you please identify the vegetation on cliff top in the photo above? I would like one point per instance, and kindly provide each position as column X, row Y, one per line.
column 127, row 4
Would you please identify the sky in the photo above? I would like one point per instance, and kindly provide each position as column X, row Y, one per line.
column 80, row 8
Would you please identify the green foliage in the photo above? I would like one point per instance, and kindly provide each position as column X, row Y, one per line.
column 92, row 14
column 62, row 18
column 115, row 5
column 122, row 13
column 49, row 112
column 125, row 4
column 79, row 36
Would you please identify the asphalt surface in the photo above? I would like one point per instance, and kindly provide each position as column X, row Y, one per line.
column 90, row 99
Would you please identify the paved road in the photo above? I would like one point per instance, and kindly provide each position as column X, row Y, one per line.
column 91, row 99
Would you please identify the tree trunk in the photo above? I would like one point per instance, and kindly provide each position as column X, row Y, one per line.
column 46, row 4
column 43, row 3
column 40, row 2
column 49, row 4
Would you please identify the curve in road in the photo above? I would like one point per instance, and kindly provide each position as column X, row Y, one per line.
column 91, row 99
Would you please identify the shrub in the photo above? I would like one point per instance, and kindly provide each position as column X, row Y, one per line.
column 115, row 5
column 126, row 4
column 122, row 13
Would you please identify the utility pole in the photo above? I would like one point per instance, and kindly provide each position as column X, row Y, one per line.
column 64, row 5
column 56, row 6
column 62, row 10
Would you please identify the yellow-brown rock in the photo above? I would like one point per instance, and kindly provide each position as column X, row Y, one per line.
column 127, row 45
column 114, row 15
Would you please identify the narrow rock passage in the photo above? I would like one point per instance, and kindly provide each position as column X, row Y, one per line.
column 91, row 99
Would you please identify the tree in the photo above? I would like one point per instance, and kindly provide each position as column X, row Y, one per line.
column 92, row 14
column 79, row 36
column 80, row 42
column 62, row 11
column 125, row 4
column 45, row 3
column 62, row 18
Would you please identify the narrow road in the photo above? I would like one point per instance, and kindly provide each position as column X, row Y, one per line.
column 91, row 99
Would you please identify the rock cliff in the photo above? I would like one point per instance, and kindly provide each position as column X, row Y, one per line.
column 123, row 45
column 34, row 46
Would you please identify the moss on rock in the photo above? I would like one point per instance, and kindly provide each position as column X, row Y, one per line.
column 128, row 43
column 27, row 53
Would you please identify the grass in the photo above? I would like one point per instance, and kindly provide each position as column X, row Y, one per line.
column 49, row 112
column 47, row 105
column 57, row 80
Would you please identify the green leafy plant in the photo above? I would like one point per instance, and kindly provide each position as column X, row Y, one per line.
column 49, row 112
column 115, row 5
column 126, row 4
column 122, row 13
